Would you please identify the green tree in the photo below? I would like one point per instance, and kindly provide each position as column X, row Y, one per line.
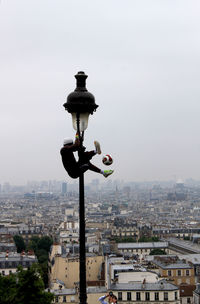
column 35, row 239
column 8, row 289
column 42, row 255
column 148, row 239
column 33, row 243
column 45, row 243
column 44, row 272
column 157, row 251
column 30, row 287
column 41, row 247
column 155, row 239
column 24, row 287
column 19, row 242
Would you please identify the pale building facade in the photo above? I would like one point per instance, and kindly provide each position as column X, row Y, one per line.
column 71, row 295
column 178, row 272
column 9, row 262
column 123, row 232
column 66, row 268
column 142, row 248
column 160, row 292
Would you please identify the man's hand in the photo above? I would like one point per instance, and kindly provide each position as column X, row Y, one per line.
column 77, row 142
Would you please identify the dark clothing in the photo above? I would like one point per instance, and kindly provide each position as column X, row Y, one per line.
column 73, row 167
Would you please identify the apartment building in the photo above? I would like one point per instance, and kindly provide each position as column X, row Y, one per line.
column 25, row 231
column 8, row 247
column 135, row 292
column 186, row 293
column 177, row 271
column 180, row 233
column 132, row 283
column 65, row 267
column 125, row 232
column 9, row 262
column 143, row 248
column 72, row 296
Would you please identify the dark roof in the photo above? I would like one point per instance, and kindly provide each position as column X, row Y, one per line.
column 187, row 290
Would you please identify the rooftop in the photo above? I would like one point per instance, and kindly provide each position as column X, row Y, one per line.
column 143, row 245
column 170, row 263
column 162, row 285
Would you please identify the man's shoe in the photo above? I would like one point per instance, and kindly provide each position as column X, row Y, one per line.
column 106, row 173
column 97, row 147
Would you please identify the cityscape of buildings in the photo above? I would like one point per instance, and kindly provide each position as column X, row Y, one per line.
column 142, row 239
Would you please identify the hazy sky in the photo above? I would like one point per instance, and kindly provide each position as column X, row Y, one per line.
column 142, row 59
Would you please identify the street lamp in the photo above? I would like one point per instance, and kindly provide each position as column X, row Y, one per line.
column 81, row 104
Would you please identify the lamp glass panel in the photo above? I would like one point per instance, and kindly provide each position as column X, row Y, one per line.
column 83, row 121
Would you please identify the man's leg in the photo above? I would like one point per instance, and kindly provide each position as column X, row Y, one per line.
column 105, row 173
column 69, row 161
column 94, row 168
column 87, row 156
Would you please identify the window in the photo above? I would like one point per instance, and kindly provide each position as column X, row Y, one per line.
column 169, row 273
column 187, row 272
column 179, row 272
column 147, row 296
column 119, row 296
column 156, row 296
column 128, row 296
column 138, row 296
column 14, row 264
column 3, row 272
column 175, row 295
column 10, row 271
column 165, row 296
column 56, row 299
column 64, row 299
column 188, row 300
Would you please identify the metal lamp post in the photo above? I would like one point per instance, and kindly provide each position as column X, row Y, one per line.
column 81, row 104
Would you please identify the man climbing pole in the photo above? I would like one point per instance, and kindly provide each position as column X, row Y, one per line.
column 75, row 168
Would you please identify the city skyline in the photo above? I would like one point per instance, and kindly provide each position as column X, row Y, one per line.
column 142, row 62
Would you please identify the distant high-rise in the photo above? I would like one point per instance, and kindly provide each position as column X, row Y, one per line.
column 6, row 187
column 179, row 185
column 64, row 188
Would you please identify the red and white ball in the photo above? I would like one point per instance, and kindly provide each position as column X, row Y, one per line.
column 107, row 160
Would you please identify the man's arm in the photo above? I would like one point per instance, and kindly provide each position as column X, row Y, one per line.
column 74, row 147
column 101, row 299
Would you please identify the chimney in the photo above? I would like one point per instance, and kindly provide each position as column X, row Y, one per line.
column 144, row 283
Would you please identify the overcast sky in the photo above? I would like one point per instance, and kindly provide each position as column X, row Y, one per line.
column 142, row 59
